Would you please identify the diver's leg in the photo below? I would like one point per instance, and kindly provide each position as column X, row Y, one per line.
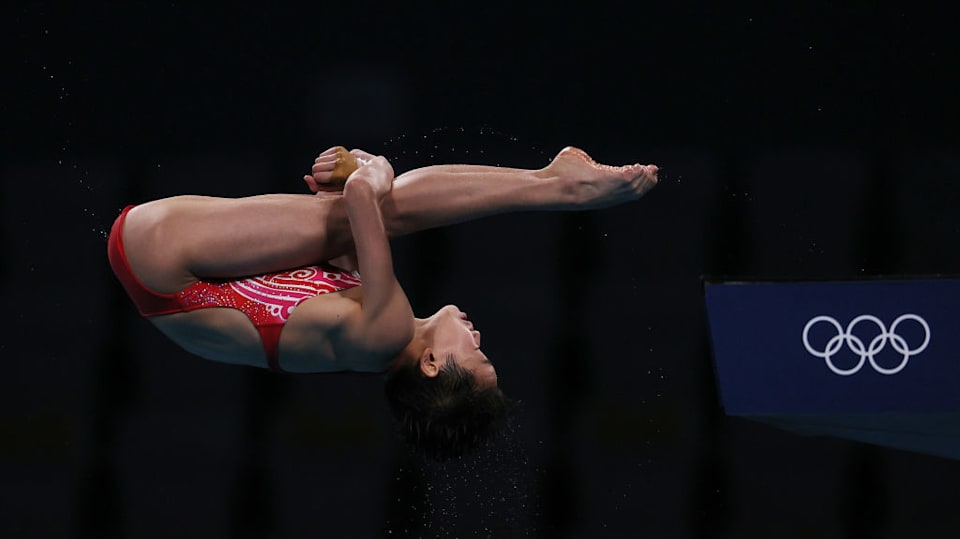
column 442, row 195
column 173, row 242
column 170, row 243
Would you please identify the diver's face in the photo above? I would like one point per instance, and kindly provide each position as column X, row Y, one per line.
column 454, row 334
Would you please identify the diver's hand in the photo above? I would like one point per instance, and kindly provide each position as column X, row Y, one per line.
column 362, row 157
column 332, row 168
column 321, row 178
column 377, row 173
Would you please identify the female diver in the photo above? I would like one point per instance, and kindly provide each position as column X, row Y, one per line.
column 274, row 280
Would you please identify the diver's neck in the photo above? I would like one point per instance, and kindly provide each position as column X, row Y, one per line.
column 414, row 350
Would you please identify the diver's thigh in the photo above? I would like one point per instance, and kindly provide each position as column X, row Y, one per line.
column 154, row 255
column 178, row 240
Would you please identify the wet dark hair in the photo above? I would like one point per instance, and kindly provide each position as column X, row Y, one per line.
column 448, row 415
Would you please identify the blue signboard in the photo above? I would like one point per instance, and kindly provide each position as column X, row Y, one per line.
column 836, row 348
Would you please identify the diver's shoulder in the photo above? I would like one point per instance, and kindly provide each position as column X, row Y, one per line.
column 324, row 314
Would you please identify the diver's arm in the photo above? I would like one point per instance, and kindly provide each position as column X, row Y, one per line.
column 386, row 319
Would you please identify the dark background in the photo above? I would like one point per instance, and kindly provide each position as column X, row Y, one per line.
column 796, row 141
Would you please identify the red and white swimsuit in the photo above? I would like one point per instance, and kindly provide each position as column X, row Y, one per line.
column 267, row 300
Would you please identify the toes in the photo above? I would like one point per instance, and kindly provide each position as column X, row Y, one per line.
column 646, row 179
column 652, row 171
column 633, row 170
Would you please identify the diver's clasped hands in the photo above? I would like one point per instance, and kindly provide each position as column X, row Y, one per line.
column 335, row 166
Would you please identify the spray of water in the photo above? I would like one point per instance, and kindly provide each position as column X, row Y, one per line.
column 487, row 494
column 441, row 145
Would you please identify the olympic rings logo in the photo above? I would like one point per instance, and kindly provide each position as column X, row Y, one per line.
column 866, row 353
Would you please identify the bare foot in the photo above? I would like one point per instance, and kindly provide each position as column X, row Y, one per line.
column 595, row 185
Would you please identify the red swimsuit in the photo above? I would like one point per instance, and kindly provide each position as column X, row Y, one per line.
column 267, row 300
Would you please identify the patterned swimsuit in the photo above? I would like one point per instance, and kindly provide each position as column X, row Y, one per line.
column 267, row 300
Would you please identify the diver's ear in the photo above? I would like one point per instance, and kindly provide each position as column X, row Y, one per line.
column 429, row 365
